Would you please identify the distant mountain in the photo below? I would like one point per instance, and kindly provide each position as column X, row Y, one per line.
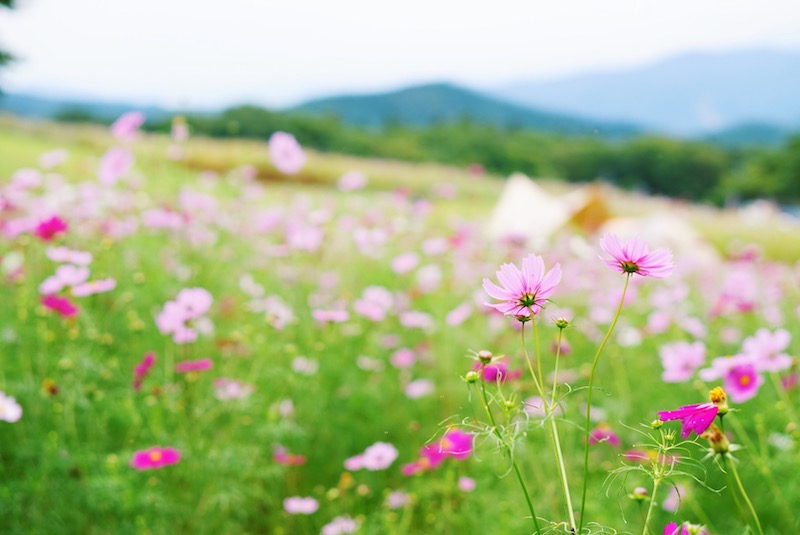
column 751, row 134
column 45, row 107
column 691, row 94
column 444, row 102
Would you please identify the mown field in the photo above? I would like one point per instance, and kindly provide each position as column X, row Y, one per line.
column 323, row 322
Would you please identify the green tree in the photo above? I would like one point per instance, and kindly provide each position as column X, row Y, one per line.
column 6, row 57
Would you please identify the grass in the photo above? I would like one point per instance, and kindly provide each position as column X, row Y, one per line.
column 64, row 466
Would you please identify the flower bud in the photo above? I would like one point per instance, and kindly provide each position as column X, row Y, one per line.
column 472, row 377
column 485, row 356
column 656, row 424
column 562, row 323
column 718, row 398
column 717, row 440
column 639, row 494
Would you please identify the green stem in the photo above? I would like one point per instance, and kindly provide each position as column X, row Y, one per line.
column 562, row 470
column 499, row 436
column 589, row 397
column 538, row 354
column 555, row 369
column 554, row 430
column 735, row 472
column 530, row 366
column 656, row 483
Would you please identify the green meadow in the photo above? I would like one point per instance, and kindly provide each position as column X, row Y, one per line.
column 273, row 250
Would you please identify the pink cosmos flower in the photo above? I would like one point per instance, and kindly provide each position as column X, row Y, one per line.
column 466, row 484
column 281, row 456
column 298, row 505
column 524, row 292
column 53, row 158
column 405, row 263
column 455, row 443
column 71, row 256
column 697, row 417
column 397, row 499
column 10, row 411
column 227, row 389
column 403, row 358
column 768, row 349
column 62, row 305
column 742, row 382
column 739, row 374
column 419, row 388
column 356, row 462
column 142, row 369
column 603, row 433
column 46, row 230
column 116, row 162
column 126, row 127
column 413, row 319
column 458, row 315
column 497, row 371
column 340, row 526
column 286, row 153
column 352, row 181
column 65, row 276
column 379, row 456
column 680, row 360
column 685, row 529
column 193, row 366
column 94, row 287
column 634, row 256
column 673, row 500
column 155, row 457
column 330, row 316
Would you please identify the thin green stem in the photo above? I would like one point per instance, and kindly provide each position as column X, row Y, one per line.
column 554, row 431
column 562, row 470
column 646, row 529
column 538, row 354
column 530, row 366
column 555, row 368
column 589, row 397
column 735, row 472
column 502, row 440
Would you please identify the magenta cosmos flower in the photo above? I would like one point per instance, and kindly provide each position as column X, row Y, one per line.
column 523, row 292
column 155, row 457
column 47, row 229
column 634, row 256
column 697, row 417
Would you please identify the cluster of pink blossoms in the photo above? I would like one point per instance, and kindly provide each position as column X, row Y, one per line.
column 71, row 277
column 179, row 317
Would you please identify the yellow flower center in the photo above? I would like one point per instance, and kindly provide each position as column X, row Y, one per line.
column 155, row 456
column 717, row 394
column 744, row 380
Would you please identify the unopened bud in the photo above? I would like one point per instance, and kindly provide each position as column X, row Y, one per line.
column 639, row 494
column 656, row 424
column 472, row 377
column 485, row 356
column 562, row 323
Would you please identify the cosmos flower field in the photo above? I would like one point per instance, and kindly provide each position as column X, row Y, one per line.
column 244, row 348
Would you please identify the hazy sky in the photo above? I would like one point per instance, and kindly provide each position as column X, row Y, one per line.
column 203, row 53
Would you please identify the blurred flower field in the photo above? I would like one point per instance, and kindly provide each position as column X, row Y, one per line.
column 200, row 337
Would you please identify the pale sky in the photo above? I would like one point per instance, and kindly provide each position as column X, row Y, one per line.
column 204, row 53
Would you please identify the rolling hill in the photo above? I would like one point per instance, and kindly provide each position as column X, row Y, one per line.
column 688, row 95
column 433, row 103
